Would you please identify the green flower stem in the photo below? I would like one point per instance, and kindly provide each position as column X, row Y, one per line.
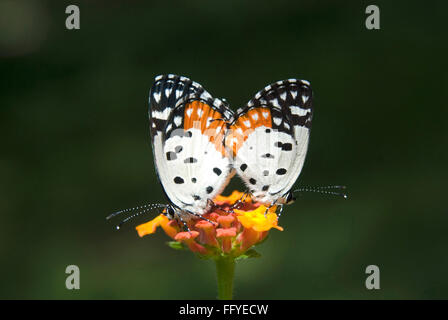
column 225, row 271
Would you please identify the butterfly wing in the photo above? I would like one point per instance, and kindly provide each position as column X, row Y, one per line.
column 269, row 138
column 187, row 131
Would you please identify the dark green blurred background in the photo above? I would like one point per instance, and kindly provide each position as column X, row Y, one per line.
column 75, row 145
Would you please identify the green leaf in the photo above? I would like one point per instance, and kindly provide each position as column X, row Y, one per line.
column 251, row 253
column 176, row 245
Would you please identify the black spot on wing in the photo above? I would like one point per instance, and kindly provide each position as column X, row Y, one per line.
column 181, row 133
column 209, row 189
column 283, row 146
column 252, row 181
column 178, row 149
column 178, row 180
column 267, row 156
column 217, row 171
column 243, row 167
column 190, row 160
column 281, row 171
column 170, row 155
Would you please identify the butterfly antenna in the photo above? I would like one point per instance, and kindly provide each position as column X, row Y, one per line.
column 203, row 218
column 155, row 206
column 331, row 187
column 133, row 209
column 325, row 190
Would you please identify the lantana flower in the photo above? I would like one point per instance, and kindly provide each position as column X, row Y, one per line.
column 228, row 233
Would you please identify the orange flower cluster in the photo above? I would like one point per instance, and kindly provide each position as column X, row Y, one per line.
column 228, row 233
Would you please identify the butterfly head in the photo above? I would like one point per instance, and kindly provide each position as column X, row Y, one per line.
column 289, row 198
column 170, row 212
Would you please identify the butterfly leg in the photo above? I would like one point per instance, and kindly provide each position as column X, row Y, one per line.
column 185, row 225
column 239, row 201
column 280, row 212
column 201, row 217
column 270, row 206
column 245, row 195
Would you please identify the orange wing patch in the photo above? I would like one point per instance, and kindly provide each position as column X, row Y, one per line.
column 245, row 125
column 199, row 115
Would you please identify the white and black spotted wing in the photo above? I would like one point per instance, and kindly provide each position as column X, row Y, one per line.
column 269, row 139
column 187, row 131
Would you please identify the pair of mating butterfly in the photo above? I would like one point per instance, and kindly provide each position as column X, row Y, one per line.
column 199, row 143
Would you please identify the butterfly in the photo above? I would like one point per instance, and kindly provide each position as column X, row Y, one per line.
column 268, row 140
column 187, row 127
column 199, row 143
